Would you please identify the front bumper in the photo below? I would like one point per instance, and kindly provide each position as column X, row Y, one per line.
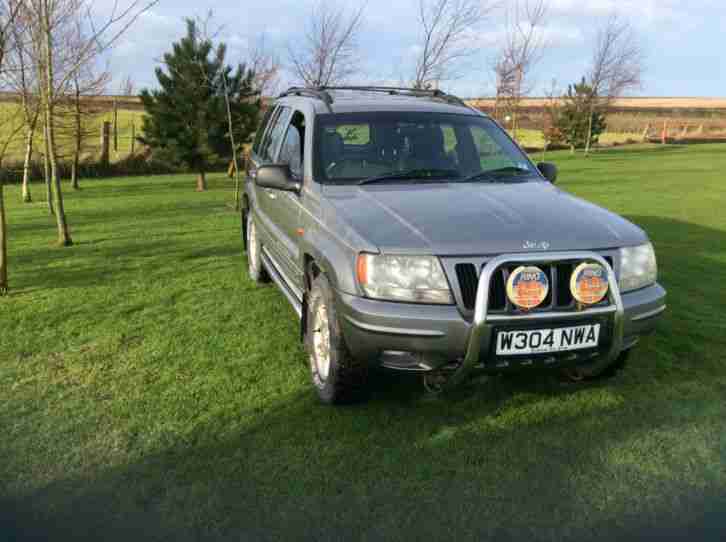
column 427, row 337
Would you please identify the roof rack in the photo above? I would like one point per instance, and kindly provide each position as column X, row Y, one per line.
column 319, row 93
column 322, row 93
column 406, row 91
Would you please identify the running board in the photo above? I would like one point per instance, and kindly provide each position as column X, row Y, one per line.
column 282, row 284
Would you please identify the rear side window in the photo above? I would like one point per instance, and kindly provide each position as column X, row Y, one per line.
column 450, row 140
column 355, row 134
column 492, row 153
column 261, row 130
column 273, row 138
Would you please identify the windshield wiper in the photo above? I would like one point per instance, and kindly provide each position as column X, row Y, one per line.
column 419, row 173
column 494, row 174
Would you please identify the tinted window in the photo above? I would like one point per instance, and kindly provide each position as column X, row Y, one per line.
column 354, row 146
column 261, row 130
column 273, row 137
column 355, row 134
column 492, row 155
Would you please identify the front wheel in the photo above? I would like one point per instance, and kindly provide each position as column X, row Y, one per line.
column 254, row 253
column 336, row 375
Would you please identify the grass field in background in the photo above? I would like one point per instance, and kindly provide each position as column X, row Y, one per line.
column 148, row 390
column 534, row 139
column 10, row 116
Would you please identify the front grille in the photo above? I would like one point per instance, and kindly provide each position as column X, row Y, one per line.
column 468, row 282
column 558, row 298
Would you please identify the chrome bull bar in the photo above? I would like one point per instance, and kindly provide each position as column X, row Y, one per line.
column 482, row 330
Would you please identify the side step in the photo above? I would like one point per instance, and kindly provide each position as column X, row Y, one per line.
column 279, row 279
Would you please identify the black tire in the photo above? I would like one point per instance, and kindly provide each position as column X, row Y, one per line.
column 347, row 378
column 255, row 268
column 594, row 372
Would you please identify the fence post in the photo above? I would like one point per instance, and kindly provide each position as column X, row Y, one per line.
column 664, row 134
column 115, row 126
column 105, row 143
column 646, row 133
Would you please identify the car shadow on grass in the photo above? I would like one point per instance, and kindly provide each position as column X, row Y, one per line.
column 303, row 471
column 516, row 458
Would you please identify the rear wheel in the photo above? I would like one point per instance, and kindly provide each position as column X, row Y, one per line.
column 336, row 375
column 254, row 253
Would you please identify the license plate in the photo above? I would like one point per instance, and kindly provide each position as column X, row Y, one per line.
column 543, row 341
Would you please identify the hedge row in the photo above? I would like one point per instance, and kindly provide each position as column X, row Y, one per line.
column 133, row 165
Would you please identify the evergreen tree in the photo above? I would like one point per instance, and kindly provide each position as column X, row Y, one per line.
column 574, row 117
column 186, row 120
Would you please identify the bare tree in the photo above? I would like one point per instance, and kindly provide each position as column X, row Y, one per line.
column 80, row 111
column 446, row 40
column 523, row 48
column 328, row 54
column 8, row 15
column 21, row 78
column 263, row 59
column 551, row 133
column 616, row 67
column 265, row 64
column 12, row 126
column 48, row 20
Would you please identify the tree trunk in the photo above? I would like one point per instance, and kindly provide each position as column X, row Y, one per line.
column 27, row 198
column 46, row 173
column 201, row 182
column 74, row 173
column 588, row 141
column 3, row 243
column 78, row 138
column 230, row 127
column 64, row 236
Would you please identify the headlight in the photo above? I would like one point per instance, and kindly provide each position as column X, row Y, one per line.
column 417, row 279
column 638, row 267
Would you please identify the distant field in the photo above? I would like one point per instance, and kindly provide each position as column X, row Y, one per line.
column 10, row 117
column 627, row 103
column 693, row 118
column 631, row 118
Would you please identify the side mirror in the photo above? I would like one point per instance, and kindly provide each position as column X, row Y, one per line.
column 548, row 170
column 277, row 176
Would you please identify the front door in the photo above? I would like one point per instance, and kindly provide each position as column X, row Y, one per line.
column 286, row 207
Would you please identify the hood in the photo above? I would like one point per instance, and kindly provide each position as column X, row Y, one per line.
column 451, row 219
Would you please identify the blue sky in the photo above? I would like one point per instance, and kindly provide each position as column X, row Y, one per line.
column 683, row 40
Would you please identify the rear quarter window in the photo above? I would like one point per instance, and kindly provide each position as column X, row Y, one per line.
column 355, row 134
column 491, row 154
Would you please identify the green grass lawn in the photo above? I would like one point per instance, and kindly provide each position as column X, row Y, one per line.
column 149, row 391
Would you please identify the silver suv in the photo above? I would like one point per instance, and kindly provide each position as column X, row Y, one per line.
column 410, row 232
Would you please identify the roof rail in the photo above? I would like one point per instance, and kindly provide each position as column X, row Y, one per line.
column 406, row 91
column 322, row 93
column 319, row 93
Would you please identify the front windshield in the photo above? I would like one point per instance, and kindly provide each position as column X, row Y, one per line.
column 390, row 146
